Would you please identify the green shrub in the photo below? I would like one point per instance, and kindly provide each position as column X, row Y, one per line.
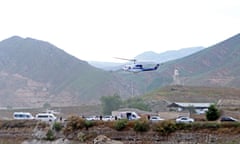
column 120, row 124
column 57, row 126
column 89, row 124
column 75, row 123
column 166, row 127
column 213, row 113
column 50, row 135
column 141, row 126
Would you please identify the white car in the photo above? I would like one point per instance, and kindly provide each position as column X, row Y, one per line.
column 108, row 118
column 93, row 118
column 48, row 117
column 155, row 118
column 22, row 116
column 184, row 120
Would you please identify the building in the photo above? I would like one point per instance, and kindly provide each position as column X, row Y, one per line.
column 197, row 107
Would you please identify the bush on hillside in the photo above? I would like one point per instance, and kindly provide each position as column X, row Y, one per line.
column 166, row 127
column 50, row 135
column 120, row 124
column 75, row 123
column 57, row 126
column 141, row 126
column 213, row 113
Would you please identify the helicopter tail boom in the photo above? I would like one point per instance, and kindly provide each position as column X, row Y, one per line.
column 151, row 69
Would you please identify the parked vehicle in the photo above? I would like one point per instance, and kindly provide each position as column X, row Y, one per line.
column 22, row 116
column 228, row 119
column 130, row 115
column 201, row 111
column 46, row 117
column 91, row 118
column 108, row 118
column 184, row 120
column 155, row 118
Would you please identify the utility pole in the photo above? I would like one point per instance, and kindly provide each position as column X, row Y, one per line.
column 132, row 88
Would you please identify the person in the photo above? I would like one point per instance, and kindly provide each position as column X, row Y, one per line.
column 148, row 117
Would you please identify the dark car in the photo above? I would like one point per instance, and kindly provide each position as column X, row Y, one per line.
column 228, row 119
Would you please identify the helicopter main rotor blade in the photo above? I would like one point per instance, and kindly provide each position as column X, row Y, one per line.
column 134, row 60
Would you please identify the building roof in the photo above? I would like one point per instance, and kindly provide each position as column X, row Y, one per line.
column 180, row 104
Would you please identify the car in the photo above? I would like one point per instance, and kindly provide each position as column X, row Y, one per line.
column 92, row 118
column 108, row 118
column 47, row 117
column 22, row 116
column 184, row 120
column 228, row 119
column 155, row 118
column 201, row 111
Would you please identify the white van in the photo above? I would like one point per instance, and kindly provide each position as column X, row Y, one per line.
column 22, row 116
column 130, row 115
column 46, row 117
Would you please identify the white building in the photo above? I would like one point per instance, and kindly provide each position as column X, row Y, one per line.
column 198, row 107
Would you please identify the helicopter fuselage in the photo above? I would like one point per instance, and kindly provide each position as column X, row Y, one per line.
column 135, row 68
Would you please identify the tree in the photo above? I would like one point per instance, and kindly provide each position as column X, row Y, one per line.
column 213, row 113
column 46, row 105
column 110, row 103
column 191, row 109
column 136, row 103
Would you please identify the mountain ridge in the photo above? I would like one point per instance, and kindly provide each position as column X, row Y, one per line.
column 168, row 55
column 34, row 70
column 150, row 57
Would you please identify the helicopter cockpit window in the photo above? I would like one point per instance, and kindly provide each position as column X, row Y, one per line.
column 140, row 66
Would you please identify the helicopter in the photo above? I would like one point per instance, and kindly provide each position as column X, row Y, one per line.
column 136, row 68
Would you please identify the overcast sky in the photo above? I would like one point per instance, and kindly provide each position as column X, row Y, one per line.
column 102, row 29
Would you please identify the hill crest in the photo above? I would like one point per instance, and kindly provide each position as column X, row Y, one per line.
column 38, row 72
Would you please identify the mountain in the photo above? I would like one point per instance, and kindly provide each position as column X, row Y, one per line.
column 35, row 73
column 150, row 57
column 106, row 65
column 215, row 66
column 168, row 55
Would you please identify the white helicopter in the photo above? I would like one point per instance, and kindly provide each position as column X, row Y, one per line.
column 136, row 68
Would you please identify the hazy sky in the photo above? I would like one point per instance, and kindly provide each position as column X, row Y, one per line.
column 103, row 29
